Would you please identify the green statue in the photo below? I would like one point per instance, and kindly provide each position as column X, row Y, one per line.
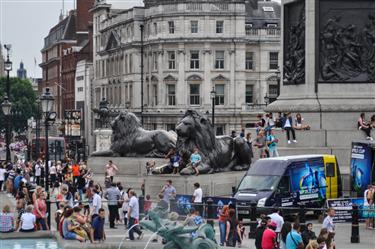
column 179, row 236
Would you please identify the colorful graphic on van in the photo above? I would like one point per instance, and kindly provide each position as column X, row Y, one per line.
column 309, row 181
column 360, row 166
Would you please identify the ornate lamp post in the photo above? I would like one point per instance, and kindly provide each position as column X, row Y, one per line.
column 278, row 78
column 213, row 98
column 47, row 100
column 6, row 106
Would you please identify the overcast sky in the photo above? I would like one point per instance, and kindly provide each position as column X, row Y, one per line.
column 25, row 23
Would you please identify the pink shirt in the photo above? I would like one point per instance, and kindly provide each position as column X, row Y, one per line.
column 111, row 169
column 42, row 208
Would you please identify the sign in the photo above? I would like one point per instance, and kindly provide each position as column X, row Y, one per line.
column 73, row 123
column 343, row 208
column 360, row 167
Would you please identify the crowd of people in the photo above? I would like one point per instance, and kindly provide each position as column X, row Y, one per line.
column 366, row 125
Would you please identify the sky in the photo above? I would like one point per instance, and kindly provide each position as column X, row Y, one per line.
column 25, row 23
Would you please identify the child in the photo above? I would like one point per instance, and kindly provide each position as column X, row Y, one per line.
column 147, row 204
column 176, row 158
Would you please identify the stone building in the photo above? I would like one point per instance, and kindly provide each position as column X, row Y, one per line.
column 190, row 48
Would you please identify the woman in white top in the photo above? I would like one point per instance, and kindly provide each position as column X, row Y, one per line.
column 28, row 220
column 53, row 173
column 2, row 177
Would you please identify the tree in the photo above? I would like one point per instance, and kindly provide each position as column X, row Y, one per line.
column 23, row 100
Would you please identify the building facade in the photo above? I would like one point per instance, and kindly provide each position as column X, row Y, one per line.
column 190, row 48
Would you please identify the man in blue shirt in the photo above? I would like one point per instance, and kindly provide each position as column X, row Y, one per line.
column 98, row 226
column 272, row 144
column 294, row 239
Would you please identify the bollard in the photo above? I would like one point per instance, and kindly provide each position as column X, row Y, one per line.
column 355, row 225
column 302, row 217
column 210, row 212
column 253, row 220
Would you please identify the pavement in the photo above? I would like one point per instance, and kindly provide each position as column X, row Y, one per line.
column 117, row 236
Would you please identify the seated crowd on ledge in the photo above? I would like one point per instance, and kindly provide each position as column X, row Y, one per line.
column 366, row 125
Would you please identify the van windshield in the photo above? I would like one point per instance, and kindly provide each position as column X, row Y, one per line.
column 259, row 183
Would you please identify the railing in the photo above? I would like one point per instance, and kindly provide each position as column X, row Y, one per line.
column 269, row 32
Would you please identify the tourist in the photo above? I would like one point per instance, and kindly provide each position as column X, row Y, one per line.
column 38, row 172
column 195, row 160
column 250, row 144
column 288, row 127
column 67, row 196
column 189, row 220
column 270, row 123
column 299, row 125
column 147, row 206
column 233, row 134
column 269, row 240
column 260, row 143
column 294, row 239
column 279, row 120
column 20, row 207
column 85, row 231
column 313, row 244
column 321, row 242
column 197, row 198
column 328, row 221
column 367, row 202
column 285, row 230
column 223, row 216
column 125, row 206
column 241, row 233
column 308, row 234
column 168, row 191
column 176, row 159
column 68, row 227
column 53, row 174
column 278, row 219
column 259, row 233
column 59, row 169
column 150, row 167
column 113, row 196
column 111, row 170
column 133, row 216
column 272, row 142
column 28, row 220
column 2, row 177
column 232, row 229
column 40, row 211
column 96, row 203
column 362, row 125
column 59, row 213
column 6, row 220
column 98, row 226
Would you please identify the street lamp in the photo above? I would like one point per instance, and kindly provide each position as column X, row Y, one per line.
column 278, row 78
column 47, row 100
column 213, row 97
column 6, row 106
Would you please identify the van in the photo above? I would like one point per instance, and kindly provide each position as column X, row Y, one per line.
column 288, row 182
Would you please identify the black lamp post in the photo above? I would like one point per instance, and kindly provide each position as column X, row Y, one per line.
column 47, row 100
column 6, row 106
column 142, row 67
column 278, row 78
column 213, row 97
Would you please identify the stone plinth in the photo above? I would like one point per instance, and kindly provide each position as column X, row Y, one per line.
column 103, row 139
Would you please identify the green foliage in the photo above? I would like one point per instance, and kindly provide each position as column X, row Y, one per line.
column 23, row 101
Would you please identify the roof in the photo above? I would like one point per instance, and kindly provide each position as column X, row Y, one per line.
column 64, row 30
column 262, row 13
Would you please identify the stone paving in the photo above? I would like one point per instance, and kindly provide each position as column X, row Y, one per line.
column 115, row 236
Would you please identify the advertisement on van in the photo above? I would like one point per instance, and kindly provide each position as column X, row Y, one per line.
column 360, row 165
column 309, row 181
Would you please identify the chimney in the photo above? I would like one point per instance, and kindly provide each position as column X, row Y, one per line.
column 84, row 16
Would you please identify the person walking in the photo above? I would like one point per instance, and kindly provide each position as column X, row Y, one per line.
column 113, row 195
column 111, row 170
column 279, row 221
column 288, row 127
column 98, row 226
column 96, row 203
column 168, row 191
column 269, row 238
column 272, row 142
column 294, row 239
column 53, row 174
column 197, row 198
column 328, row 221
column 38, row 172
column 232, row 229
column 133, row 216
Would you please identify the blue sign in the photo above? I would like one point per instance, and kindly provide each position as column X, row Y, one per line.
column 360, row 167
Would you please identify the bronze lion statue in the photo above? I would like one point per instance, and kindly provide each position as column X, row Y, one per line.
column 129, row 139
column 218, row 153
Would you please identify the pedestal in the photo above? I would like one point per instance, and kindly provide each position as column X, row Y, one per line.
column 103, row 139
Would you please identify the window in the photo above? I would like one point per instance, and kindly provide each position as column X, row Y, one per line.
column 219, row 129
column 155, row 94
column 248, row 27
column 273, row 92
column 155, row 28
column 274, row 60
column 219, row 98
column 194, row 26
column 80, row 89
column 194, row 59
column 249, row 60
column 271, row 25
column 219, row 27
column 171, row 59
column 170, row 127
column 249, row 94
column 155, row 61
column 219, row 60
column 171, row 95
column 171, row 27
column 194, row 94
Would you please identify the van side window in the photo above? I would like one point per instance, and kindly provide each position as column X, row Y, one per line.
column 284, row 184
column 330, row 170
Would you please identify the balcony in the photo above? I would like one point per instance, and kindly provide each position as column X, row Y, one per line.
column 263, row 34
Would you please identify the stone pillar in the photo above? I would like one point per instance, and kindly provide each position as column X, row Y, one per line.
column 103, row 139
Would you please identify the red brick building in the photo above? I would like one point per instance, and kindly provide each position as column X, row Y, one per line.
column 67, row 42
